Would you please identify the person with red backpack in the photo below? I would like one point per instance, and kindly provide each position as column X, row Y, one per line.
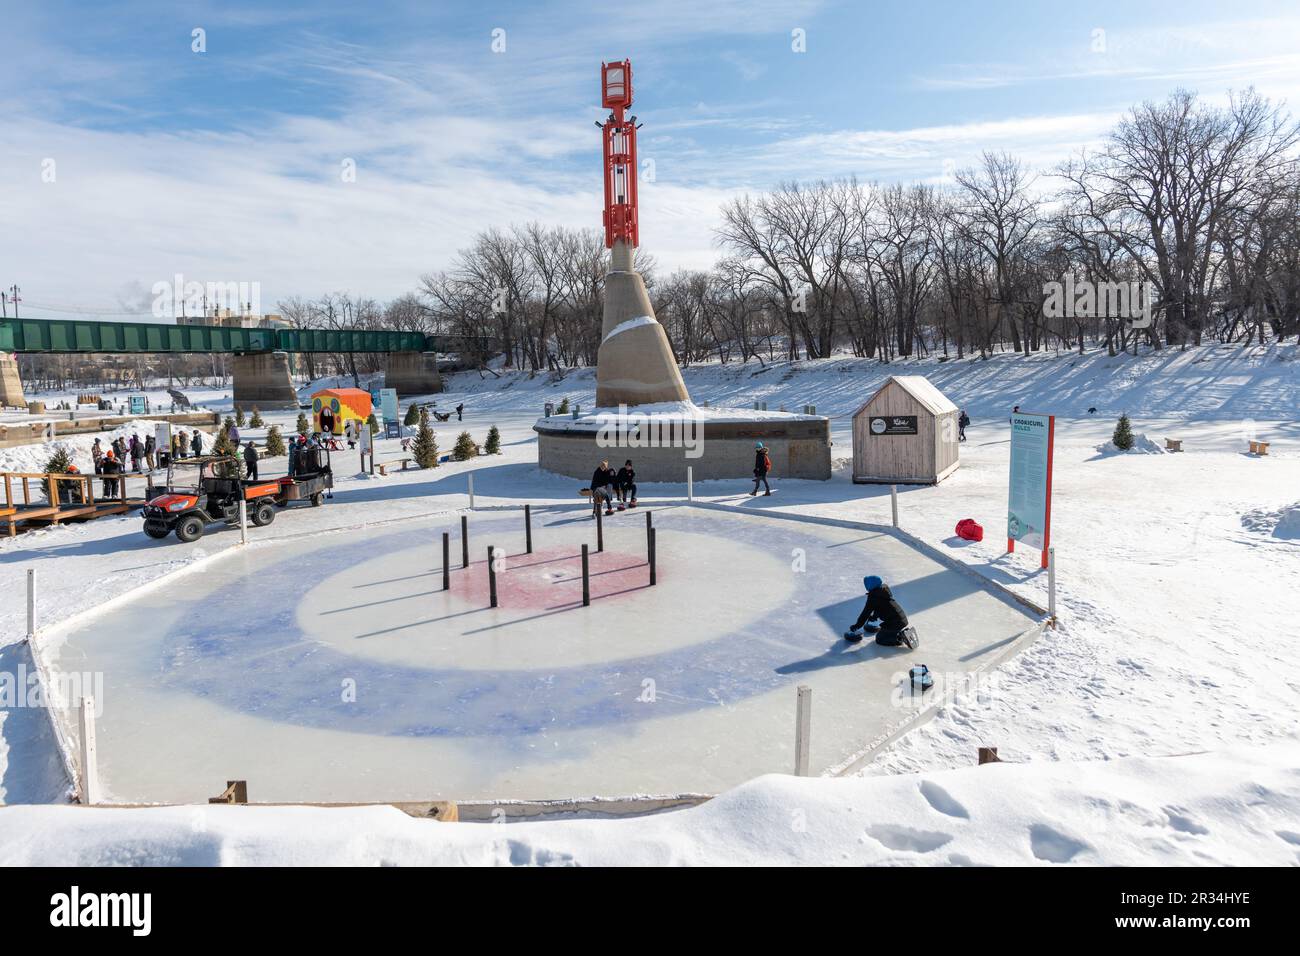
column 762, row 465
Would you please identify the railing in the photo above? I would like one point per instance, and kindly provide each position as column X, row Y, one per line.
column 74, row 336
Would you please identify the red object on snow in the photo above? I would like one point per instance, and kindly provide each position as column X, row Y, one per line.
column 968, row 529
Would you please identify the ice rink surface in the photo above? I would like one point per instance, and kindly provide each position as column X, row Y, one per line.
column 333, row 667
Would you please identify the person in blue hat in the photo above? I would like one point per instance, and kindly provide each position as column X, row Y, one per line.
column 881, row 607
column 762, row 465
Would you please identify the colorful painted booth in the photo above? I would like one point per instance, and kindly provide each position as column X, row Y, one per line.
column 333, row 408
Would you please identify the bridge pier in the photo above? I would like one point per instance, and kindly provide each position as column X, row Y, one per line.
column 11, row 386
column 262, row 380
column 413, row 373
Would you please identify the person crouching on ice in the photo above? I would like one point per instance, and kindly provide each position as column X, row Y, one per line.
column 602, row 488
column 881, row 607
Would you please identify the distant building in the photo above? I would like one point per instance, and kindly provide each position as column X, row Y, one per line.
column 235, row 320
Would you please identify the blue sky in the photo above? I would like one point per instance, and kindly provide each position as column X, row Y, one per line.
column 129, row 158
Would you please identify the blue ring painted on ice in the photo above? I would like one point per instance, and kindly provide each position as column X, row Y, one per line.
column 302, row 681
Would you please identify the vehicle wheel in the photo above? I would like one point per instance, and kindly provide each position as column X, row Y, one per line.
column 156, row 529
column 263, row 514
column 189, row 528
column 317, row 500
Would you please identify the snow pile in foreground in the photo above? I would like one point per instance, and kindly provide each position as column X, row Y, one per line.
column 1288, row 523
column 1282, row 523
column 1141, row 446
column 1238, row 807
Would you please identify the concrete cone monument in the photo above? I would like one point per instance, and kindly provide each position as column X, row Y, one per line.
column 635, row 365
column 643, row 412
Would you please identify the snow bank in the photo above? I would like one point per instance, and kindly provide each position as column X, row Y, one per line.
column 1288, row 525
column 665, row 412
column 1141, row 446
column 32, row 458
column 1281, row 523
column 1233, row 808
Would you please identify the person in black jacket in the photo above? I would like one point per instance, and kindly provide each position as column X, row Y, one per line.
column 626, row 483
column 196, row 444
column 762, row 465
column 962, row 421
column 602, row 488
column 110, row 468
column 250, row 460
column 884, row 609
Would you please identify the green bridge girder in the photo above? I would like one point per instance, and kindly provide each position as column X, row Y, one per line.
column 70, row 336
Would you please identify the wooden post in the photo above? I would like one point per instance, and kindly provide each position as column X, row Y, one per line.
column 446, row 561
column 31, row 604
column 89, row 754
column 1051, row 584
column 802, row 729
column 492, row 575
column 893, row 502
column 464, row 541
column 586, row 579
column 600, row 528
column 653, row 575
column 989, row 755
column 528, row 529
column 53, row 491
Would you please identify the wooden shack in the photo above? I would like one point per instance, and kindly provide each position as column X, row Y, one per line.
column 906, row 433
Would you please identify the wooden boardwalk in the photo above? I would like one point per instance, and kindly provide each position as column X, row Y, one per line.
column 38, row 500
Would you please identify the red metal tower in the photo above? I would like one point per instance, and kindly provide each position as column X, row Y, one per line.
column 619, row 134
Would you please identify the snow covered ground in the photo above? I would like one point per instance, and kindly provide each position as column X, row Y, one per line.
column 1179, row 592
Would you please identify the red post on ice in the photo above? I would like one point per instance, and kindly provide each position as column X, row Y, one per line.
column 619, row 134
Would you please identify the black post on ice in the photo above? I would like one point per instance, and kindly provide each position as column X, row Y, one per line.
column 492, row 575
column 586, row 579
column 464, row 541
column 446, row 561
column 652, row 557
column 600, row 529
column 649, row 526
column 528, row 529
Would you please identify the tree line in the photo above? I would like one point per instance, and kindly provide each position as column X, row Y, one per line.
column 1193, row 206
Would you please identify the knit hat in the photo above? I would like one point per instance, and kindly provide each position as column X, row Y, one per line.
column 871, row 582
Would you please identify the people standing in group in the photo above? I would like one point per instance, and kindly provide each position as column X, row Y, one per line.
column 196, row 444
column 962, row 421
column 179, row 444
column 762, row 465
column 150, row 446
column 250, row 460
column 294, row 445
column 137, row 453
column 97, row 456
